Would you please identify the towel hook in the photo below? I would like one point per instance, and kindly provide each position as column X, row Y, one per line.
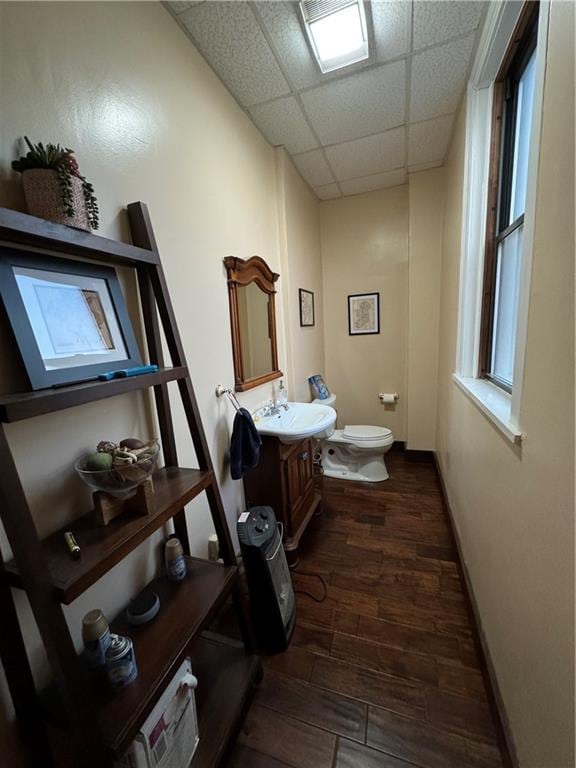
column 220, row 390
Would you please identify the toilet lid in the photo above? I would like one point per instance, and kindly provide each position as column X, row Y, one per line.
column 363, row 432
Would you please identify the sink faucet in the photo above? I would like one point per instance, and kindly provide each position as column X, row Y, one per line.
column 271, row 409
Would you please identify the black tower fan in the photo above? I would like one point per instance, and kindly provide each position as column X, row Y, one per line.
column 269, row 581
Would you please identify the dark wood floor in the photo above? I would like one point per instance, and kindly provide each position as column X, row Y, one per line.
column 384, row 673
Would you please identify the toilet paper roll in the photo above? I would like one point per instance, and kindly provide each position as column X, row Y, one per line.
column 388, row 397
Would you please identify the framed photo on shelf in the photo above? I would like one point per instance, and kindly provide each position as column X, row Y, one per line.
column 363, row 314
column 69, row 318
column 306, row 307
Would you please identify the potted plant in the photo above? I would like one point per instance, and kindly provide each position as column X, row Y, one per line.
column 54, row 187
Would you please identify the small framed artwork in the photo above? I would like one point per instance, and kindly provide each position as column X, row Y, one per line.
column 306, row 307
column 363, row 314
column 69, row 318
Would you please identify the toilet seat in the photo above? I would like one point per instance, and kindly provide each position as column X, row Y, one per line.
column 368, row 441
column 363, row 433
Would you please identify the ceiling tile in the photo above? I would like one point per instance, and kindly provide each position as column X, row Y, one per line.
column 428, row 141
column 314, row 168
column 283, row 25
column 391, row 22
column 435, row 22
column 230, row 38
column 371, row 154
column 438, row 77
column 358, row 105
column 283, row 123
column 282, row 22
column 371, row 183
column 328, row 191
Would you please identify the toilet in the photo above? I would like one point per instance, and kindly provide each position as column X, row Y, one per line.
column 355, row 452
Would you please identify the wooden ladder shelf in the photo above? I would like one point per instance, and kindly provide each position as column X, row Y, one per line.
column 99, row 724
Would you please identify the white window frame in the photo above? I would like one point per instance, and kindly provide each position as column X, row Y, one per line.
column 501, row 408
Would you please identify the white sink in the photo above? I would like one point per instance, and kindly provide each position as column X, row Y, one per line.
column 299, row 421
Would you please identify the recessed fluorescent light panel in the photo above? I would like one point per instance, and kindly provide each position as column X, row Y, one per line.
column 337, row 31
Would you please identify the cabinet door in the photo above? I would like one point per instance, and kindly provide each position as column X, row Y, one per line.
column 299, row 472
column 306, row 467
column 294, row 478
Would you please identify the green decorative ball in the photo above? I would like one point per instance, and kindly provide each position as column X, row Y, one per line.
column 97, row 462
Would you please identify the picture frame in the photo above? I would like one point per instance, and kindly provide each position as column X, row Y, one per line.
column 69, row 318
column 306, row 300
column 363, row 314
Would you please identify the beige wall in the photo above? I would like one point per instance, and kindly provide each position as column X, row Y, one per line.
column 122, row 85
column 365, row 249
column 299, row 224
column 514, row 507
column 388, row 241
column 426, row 197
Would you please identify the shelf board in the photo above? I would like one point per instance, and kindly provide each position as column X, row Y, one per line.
column 227, row 678
column 17, row 227
column 26, row 405
column 161, row 646
column 102, row 547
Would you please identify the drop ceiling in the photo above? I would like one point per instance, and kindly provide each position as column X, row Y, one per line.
column 360, row 128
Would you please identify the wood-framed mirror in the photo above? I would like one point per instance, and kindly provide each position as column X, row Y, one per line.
column 251, row 293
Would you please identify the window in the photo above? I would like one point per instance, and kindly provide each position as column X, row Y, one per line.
column 504, row 106
column 337, row 32
column 513, row 103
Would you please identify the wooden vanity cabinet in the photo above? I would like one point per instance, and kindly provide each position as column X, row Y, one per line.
column 284, row 480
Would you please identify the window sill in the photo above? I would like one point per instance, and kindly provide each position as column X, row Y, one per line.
column 493, row 402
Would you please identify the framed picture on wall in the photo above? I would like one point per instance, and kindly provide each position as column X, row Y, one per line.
column 306, row 307
column 69, row 318
column 363, row 314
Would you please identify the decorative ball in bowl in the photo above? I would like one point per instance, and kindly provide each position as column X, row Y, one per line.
column 118, row 469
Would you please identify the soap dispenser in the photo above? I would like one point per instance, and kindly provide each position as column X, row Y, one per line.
column 282, row 395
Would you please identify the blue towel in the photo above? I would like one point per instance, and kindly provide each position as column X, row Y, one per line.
column 245, row 445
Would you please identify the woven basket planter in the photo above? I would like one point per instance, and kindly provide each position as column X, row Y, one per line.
column 44, row 198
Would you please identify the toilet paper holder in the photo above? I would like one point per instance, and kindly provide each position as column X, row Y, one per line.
column 388, row 397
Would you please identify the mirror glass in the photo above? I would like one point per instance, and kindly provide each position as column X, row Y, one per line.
column 253, row 319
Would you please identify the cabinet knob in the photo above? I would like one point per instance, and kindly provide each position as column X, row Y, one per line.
column 304, row 456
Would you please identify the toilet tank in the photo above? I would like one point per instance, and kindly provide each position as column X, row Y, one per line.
column 330, row 400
